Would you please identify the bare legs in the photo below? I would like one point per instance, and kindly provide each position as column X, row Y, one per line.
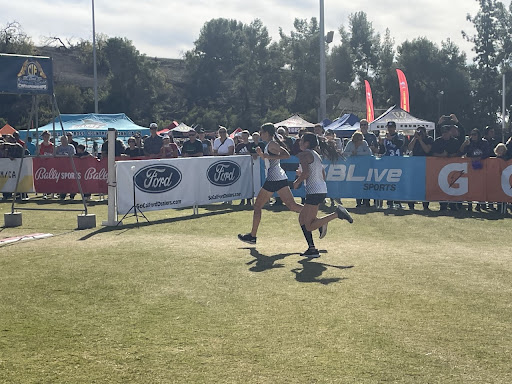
column 264, row 196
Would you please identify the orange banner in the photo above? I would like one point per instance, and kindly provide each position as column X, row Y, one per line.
column 370, row 113
column 461, row 179
column 404, row 91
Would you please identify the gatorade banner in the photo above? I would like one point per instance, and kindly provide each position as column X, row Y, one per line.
column 404, row 91
column 459, row 179
column 370, row 112
column 26, row 74
column 9, row 173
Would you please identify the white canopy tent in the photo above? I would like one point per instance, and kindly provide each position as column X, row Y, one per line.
column 294, row 124
column 405, row 122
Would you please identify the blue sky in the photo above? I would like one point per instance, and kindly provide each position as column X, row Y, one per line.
column 168, row 28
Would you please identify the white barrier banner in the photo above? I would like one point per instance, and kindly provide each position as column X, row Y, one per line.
column 9, row 172
column 176, row 183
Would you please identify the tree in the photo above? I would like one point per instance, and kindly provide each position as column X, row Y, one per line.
column 490, row 42
column 302, row 60
column 14, row 40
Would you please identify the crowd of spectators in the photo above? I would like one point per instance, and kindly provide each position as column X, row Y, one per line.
column 451, row 142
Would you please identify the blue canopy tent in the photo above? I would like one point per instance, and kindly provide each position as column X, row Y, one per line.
column 91, row 125
column 345, row 126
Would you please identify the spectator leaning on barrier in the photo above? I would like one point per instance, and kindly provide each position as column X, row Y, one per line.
column 357, row 146
column 169, row 149
column 330, row 135
column 489, row 136
column 420, row 145
column 64, row 150
column 119, row 148
column 31, row 146
column 192, row 147
column 153, row 143
column 132, row 150
column 69, row 135
column 206, row 143
column 476, row 148
column 391, row 145
column 46, row 146
column 370, row 138
column 245, row 147
column 223, row 145
column 446, row 146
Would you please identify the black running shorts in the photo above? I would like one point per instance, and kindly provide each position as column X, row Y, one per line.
column 315, row 198
column 274, row 186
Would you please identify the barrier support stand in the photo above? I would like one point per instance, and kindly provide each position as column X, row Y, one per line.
column 112, row 187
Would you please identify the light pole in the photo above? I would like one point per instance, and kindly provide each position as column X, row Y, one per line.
column 323, row 97
column 94, row 61
column 503, row 106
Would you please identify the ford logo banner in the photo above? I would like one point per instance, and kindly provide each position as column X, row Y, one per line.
column 157, row 178
column 223, row 173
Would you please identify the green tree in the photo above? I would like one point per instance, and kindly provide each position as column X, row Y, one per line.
column 490, row 43
column 14, row 40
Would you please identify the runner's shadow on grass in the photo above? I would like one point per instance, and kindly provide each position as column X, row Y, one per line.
column 262, row 263
column 311, row 272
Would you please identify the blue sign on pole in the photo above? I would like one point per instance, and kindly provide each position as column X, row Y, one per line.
column 30, row 75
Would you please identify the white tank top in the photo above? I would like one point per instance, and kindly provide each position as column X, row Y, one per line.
column 274, row 170
column 315, row 182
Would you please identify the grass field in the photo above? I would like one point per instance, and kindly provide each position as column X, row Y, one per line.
column 396, row 297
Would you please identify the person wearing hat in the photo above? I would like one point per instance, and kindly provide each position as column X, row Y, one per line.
column 207, row 143
column 392, row 145
column 169, row 148
column 192, row 147
column 153, row 144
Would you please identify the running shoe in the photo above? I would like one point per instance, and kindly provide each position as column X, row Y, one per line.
column 323, row 231
column 247, row 238
column 343, row 214
column 311, row 253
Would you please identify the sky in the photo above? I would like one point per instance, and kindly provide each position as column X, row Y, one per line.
column 168, row 28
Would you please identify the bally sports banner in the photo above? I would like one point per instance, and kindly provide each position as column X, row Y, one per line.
column 9, row 173
column 56, row 175
column 183, row 182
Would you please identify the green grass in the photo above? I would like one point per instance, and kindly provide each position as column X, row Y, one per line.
column 397, row 297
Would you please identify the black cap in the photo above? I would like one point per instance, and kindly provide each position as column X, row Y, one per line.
column 391, row 124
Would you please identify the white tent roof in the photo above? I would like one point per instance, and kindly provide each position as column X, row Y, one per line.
column 182, row 128
column 294, row 123
column 404, row 121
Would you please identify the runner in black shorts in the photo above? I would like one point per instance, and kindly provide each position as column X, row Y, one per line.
column 313, row 174
column 276, row 181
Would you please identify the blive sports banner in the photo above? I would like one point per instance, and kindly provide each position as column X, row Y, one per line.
column 175, row 183
column 26, row 74
column 459, row 179
column 368, row 177
column 9, row 173
column 56, row 175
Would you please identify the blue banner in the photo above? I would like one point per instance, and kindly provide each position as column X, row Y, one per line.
column 26, row 74
column 368, row 177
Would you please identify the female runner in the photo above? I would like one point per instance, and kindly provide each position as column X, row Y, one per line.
column 313, row 175
column 276, row 180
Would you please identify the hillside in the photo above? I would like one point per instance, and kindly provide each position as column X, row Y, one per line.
column 69, row 70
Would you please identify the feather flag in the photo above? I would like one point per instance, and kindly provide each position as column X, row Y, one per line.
column 370, row 113
column 404, row 91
